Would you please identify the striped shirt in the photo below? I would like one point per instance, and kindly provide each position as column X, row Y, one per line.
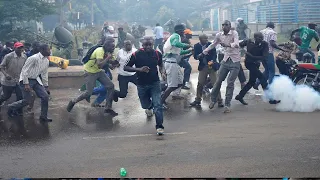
column 35, row 66
column 269, row 35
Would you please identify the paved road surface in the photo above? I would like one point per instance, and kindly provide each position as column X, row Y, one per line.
column 252, row 141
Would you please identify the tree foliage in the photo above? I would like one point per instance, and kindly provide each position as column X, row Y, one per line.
column 164, row 14
column 16, row 13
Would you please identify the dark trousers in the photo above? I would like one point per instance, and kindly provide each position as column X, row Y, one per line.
column 7, row 92
column 254, row 73
column 184, row 63
column 123, row 84
column 27, row 97
column 283, row 68
column 150, row 98
column 158, row 43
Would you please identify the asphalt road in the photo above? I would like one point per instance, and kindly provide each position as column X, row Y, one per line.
column 252, row 141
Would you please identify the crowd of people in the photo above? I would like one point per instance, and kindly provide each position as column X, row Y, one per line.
column 157, row 74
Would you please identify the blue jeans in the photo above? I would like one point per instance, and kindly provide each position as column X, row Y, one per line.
column 150, row 98
column 308, row 50
column 269, row 69
column 184, row 63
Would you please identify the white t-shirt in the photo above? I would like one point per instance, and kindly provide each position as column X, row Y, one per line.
column 123, row 57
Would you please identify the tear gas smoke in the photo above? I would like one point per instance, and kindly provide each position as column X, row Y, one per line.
column 294, row 98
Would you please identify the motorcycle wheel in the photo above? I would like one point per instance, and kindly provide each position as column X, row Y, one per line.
column 304, row 79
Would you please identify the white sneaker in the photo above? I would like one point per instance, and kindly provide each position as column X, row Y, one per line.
column 160, row 131
column 227, row 109
column 149, row 112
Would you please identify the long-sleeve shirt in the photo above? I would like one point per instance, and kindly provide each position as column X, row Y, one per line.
column 12, row 65
column 123, row 57
column 176, row 45
column 231, row 39
column 158, row 31
column 35, row 66
column 203, row 62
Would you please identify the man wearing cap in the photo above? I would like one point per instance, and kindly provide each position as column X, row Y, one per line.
column 173, row 49
column 306, row 35
column 122, row 36
column 241, row 27
column 11, row 67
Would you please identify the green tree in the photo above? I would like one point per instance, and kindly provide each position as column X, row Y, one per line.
column 164, row 14
column 15, row 13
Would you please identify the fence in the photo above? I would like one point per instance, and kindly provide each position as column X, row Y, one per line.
column 294, row 12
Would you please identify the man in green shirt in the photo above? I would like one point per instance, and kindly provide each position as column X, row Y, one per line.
column 173, row 49
column 306, row 35
column 94, row 71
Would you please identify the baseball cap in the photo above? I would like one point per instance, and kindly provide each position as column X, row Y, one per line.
column 17, row 45
column 187, row 31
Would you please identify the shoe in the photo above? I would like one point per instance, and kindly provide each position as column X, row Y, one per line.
column 70, row 106
column 185, row 87
column 206, row 90
column 149, row 112
column 195, row 104
column 88, row 99
column 115, row 97
column 111, row 112
column 212, row 104
column 12, row 113
column 165, row 106
column 227, row 109
column 256, row 86
column 160, row 131
column 241, row 100
column 274, row 102
column 220, row 105
column 177, row 97
column 45, row 119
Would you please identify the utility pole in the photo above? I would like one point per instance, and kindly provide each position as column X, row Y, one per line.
column 92, row 17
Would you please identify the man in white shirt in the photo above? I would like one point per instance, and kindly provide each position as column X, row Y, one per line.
column 35, row 66
column 124, row 77
column 158, row 32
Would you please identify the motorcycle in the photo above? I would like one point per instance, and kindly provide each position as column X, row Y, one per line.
column 307, row 74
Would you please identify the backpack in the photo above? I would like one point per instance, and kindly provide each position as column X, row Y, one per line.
column 86, row 58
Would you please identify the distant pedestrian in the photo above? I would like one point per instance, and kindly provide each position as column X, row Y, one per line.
column 158, row 32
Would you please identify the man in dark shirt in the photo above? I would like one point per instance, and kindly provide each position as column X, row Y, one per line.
column 207, row 66
column 146, row 61
column 257, row 51
column 7, row 50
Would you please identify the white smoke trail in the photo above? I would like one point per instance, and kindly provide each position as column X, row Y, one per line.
column 294, row 98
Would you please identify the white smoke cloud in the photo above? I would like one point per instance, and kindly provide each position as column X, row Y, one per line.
column 294, row 98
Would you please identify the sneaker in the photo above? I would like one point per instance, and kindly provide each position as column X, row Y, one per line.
column 220, row 105
column 45, row 119
column 70, row 106
column 160, row 131
column 111, row 112
column 195, row 104
column 256, row 86
column 212, row 104
column 227, row 109
column 149, row 112
column 274, row 102
column 12, row 113
column 206, row 90
column 185, row 87
column 177, row 97
column 241, row 100
column 165, row 106
column 115, row 97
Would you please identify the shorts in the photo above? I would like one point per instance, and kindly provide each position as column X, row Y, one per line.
column 174, row 74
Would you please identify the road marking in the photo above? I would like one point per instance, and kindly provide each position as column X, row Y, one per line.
column 130, row 136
